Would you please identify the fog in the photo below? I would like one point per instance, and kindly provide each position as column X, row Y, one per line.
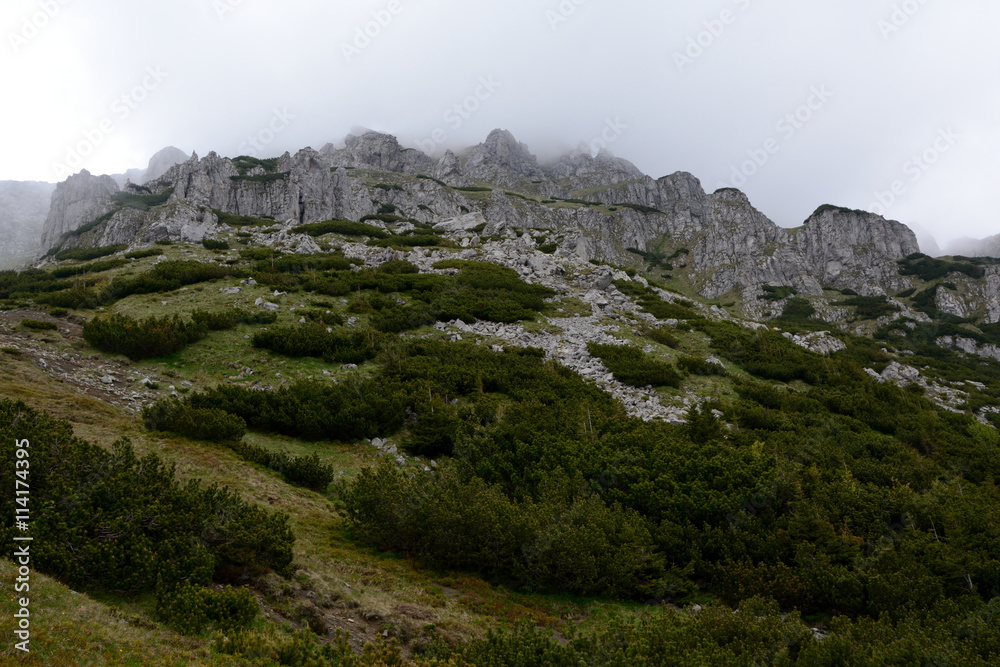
column 885, row 105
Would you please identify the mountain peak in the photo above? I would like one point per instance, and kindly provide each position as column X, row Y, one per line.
column 502, row 160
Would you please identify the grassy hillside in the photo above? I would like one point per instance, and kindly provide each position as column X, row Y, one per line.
column 514, row 513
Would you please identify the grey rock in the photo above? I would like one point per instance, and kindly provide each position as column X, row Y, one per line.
column 79, row 199
column 503, row 161
column 375, row 150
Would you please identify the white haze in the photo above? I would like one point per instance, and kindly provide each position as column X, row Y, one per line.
column 208, row 75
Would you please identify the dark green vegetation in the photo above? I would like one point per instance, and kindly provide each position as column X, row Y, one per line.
column 870, row 307
column 213, row 244
column 140, row 198
column 89, row 253
column 109, row 521
column 929, row 268
column 777, row 293
column 141, row 339
column 154, row 337
column 837, row 209
column 344, row 227
column 631, row 366
column 801, row 493
column 216, row 425
column 163, row 277
column 267, row 170
column 39, row 325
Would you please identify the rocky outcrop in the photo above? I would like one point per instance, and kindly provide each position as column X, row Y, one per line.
column 820, row 342
column 718, row 242
column 80, row 199
column 581, row 171
column 378, row 151
column 856, row 250
column 449, row 170
column 503, row 161
column 902, row 375
column 24, row 206
column 177, row 221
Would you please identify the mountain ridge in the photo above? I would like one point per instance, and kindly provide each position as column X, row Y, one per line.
column 601, row 206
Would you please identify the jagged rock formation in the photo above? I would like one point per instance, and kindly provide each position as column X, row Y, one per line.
column 502, row 160
column 381, row 152
column 581, row 171
column 80, row 199
column 23, row 208
column 719, row 243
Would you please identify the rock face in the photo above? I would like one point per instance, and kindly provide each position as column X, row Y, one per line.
column 857, row 250
column 503, row 161
column 580, row 171
column 719, row 243
column 76, row 201
column 382, row 152
column 24, row 206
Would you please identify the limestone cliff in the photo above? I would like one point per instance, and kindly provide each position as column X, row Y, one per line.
column 593, row 208
column 80, row 199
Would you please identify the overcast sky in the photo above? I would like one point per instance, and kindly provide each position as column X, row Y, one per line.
column 891, row 105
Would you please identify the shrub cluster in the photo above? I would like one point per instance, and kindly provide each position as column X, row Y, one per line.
column 630, row 365
column 666, row 310
column 91, row 267
column 698, row 366
column 311, row 409
column 143, row 254
column 221, row 320
column 210, row 424
column 214, row 244
column 344, row 227
column 234, row 220
column 149, row 338
column 870, row 307
column 189, row 609
column 925, row 267
column 114, row 522
column 89, row 253
column 142, row 202
column 313, row 340
column 307, row 471
column 39, row 325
